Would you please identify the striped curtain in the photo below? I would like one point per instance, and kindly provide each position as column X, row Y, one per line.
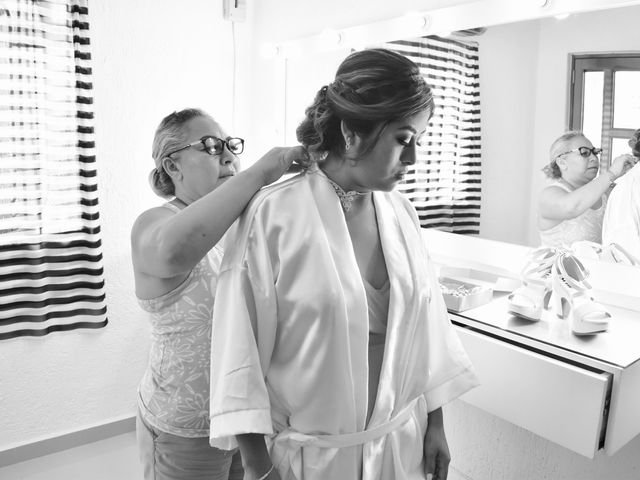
column 444, row 185
column 51, row 276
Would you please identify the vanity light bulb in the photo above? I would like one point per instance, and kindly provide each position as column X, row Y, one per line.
column 269, row 50
column 415, row 21
column 330, row 38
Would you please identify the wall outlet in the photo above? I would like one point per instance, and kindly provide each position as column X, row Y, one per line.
column 234, row 10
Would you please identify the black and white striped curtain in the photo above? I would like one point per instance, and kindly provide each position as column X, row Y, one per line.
column 444, row 185
column 51, row 275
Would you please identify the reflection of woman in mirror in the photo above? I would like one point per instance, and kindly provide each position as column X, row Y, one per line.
column 572, row 207
column 332, row 333
column 622, row 217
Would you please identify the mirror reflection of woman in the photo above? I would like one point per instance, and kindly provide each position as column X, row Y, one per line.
column 571, row 209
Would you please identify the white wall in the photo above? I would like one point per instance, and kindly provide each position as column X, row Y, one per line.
column 508, row 65
column 150, row 57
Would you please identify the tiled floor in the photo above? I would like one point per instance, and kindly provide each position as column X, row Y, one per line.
column 115, row 458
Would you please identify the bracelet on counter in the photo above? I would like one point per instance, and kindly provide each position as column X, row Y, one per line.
column 263, row 477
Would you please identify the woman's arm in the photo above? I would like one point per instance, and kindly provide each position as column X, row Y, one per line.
column 166, row 245
column 557, row 204
column 255, row 458
column 436, row 450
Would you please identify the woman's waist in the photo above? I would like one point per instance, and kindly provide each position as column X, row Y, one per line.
column 299, row 438
column 171, row 369
column 185, row 416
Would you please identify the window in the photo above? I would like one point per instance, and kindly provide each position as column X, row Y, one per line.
column 605, row 101
column 444, row 184
column 51, row 276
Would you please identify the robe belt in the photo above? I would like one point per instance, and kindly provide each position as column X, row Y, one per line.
column 347, row 439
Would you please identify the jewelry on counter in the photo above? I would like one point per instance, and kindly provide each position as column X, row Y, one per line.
column 346, row 198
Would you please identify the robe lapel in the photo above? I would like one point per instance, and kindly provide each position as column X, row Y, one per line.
column 397, row 234
column 347, row 279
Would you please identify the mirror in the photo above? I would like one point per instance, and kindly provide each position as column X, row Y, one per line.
column 524, row 69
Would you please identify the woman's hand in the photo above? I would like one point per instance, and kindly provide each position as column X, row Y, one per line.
column 255, row 457
column 622, row 164
column 277, row 161
column 436, row 450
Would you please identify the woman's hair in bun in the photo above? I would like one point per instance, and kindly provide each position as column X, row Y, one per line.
column 371, row 89
column 169, row 135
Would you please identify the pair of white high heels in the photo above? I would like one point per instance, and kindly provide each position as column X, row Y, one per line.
column 613, row 253
column 556, row 277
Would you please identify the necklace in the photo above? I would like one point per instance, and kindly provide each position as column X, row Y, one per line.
column 185, row 204
column 346, row 198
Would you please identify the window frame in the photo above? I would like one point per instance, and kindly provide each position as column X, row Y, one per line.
column 608, row 63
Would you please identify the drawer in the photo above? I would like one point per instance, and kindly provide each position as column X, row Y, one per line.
column 556, row 400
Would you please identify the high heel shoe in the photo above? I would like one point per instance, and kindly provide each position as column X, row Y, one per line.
column 614, row 253
column 572, row 299
column 587, row 249
column 533, row 296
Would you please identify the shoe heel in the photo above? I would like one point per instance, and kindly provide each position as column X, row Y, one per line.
column 557, row 303
column 530, row 299
column 572, row 299
column 547, row 299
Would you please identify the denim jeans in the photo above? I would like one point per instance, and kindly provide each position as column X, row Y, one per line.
column 165, row 456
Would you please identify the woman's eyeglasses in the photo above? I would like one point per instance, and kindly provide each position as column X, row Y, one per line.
column 585, row 152
column 215, row 146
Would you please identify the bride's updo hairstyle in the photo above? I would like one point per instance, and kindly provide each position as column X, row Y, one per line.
column 372, row 88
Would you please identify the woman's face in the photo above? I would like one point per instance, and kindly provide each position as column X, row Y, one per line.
column 386, row 164
column 575, row 167
column 201, row 171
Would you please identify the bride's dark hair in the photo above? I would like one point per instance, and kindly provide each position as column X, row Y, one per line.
column 371, row 89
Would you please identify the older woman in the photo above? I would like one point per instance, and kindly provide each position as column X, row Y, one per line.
column 572, row 207
column 354, row 354
column 176, row 256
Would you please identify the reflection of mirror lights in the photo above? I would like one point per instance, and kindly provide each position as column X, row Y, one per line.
column 330, row 38
column 415, row 20
column 561, row 16
column 269, row 50
column 442, row 21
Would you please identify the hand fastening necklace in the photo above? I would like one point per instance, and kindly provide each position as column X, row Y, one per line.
column 346, row 198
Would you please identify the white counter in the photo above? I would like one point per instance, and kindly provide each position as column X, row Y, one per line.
column 580, row 392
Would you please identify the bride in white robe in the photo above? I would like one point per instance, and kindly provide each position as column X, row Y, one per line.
column 292, row 322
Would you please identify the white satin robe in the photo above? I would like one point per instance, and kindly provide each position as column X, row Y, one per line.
column 621, row 222
column 290, row 339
